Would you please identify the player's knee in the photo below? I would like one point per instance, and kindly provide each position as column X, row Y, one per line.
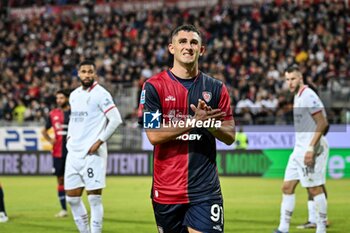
column 314, row 191
column 73, row 200
column 95, row 200
column 287, row 189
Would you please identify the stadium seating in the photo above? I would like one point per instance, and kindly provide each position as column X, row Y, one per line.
column 248, row 47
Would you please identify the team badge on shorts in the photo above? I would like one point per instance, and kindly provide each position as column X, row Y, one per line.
column 206, row 96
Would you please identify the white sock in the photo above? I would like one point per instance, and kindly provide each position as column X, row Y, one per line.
column 287, row 208
column 79, row 213
column 96, row 209
column 312, row 211
column 321, row 212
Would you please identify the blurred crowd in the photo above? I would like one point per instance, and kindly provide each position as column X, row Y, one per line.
column 247, row 46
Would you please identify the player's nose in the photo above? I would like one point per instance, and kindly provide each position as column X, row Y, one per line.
column 188, row 46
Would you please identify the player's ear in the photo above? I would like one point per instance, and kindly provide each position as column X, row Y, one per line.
column 202, row 50
column 171, row 48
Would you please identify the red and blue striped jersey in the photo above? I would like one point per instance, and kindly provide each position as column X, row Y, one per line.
column 58, row 120
column 184, row 170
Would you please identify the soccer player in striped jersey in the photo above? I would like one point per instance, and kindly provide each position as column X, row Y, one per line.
column 58, row 120
column 186, row 191
column 94, row 118
column 307, row 163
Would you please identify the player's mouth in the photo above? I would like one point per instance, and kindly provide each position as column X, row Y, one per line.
column 188, row 54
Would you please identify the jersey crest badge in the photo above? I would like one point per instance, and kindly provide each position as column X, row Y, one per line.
column 206, row 96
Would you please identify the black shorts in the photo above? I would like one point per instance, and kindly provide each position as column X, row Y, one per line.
column 58, row 166
column 206, row 216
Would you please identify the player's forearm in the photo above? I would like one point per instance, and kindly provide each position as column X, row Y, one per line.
column 320, row 129
column 46, row 135
column 226, row 133
column 114, row 120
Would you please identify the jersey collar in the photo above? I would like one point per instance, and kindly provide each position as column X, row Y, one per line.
column 302, row 90
column 175, row 79
column 92, row 87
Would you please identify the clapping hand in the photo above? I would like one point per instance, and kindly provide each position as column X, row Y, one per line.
column 204, row 112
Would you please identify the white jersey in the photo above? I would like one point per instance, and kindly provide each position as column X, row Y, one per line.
column 306, row 104
column 87, row 119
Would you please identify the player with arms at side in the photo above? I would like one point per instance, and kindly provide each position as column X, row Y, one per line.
column 58, row 120
column 186, row 190
column 311, row 220
column 307, row 163
column 94, row 118
column 3, row 215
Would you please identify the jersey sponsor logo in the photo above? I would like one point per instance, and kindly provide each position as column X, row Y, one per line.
column 170, row 98
column 151, row 120
column 207, row 96
column 78, row 116
column 143, row 97
column 189, row 137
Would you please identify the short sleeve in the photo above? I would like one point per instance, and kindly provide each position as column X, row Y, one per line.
column 106, row 102
column 225, row 103
column 312, row 102
column 149, row 100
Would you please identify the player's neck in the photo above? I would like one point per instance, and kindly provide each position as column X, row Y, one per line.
column 64, row 108
column 185, row 72
column 301, row 87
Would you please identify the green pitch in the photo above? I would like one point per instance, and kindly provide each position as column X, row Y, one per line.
column 251, row 205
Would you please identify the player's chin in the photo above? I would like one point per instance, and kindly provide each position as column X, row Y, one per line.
column 188, row 60
column 88, row 82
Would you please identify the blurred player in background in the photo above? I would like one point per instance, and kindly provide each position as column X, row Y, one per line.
column 94, row 118
column 308, row 161
column 3, row 215
column 186, row 189
column 58, row 120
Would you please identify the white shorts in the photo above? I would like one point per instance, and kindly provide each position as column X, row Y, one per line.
column 297, row 170
column 88, row 171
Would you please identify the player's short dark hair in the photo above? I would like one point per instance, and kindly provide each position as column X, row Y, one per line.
column 186, row 28
column 64, row 92
column 87, row 62
column 293, row 68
